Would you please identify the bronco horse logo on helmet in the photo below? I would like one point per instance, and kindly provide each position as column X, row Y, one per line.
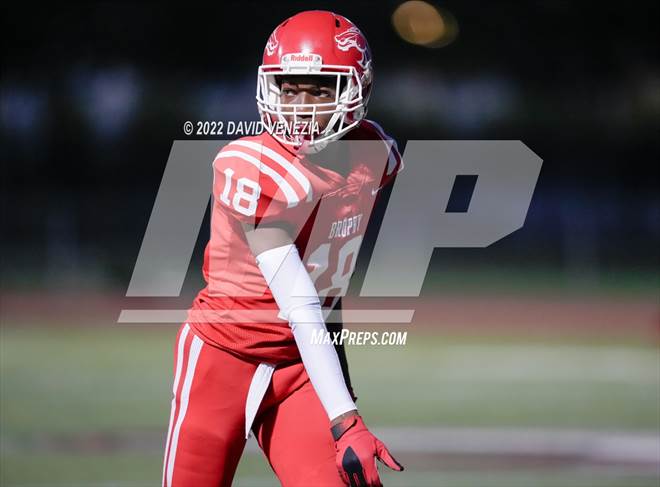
column 272, row 43
column 353, row 38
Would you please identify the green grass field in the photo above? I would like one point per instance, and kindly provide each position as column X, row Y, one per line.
column 89, row 406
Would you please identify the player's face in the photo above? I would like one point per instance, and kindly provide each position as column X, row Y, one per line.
column 300, row 90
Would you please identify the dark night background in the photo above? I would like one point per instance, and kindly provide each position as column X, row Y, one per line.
column 93, row 95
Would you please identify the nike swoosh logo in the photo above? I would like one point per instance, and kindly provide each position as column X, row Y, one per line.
column 374, row 192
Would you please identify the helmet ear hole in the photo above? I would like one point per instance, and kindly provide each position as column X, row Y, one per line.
column 337, row 24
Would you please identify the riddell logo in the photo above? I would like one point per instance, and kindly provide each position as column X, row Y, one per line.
column 302, row 59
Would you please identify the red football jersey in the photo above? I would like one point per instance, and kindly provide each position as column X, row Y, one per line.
column 258, row 180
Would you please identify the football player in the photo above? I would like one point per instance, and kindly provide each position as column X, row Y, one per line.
column 290, row 209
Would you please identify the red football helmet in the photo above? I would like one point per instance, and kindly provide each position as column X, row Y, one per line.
column 315, row 43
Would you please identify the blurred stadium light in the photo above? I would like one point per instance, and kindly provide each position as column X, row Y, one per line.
column 23, row 108
column 423, row 24
column 108, row 97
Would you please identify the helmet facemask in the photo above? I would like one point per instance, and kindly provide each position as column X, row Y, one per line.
column 301, row 130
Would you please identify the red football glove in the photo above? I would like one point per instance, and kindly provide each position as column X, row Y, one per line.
column 357, row 450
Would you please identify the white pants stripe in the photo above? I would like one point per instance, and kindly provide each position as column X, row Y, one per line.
column 173, row 433
column 258, row 387
column 177, row 377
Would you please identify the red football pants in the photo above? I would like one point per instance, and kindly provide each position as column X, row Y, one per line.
column 206, row 435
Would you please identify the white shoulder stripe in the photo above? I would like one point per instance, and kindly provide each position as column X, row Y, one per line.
column 378, row 128
column 391, row 162
column 391, row 146
column 291, row 196
column 282, row 161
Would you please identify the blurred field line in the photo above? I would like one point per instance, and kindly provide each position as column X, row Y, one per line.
column 587, row 446
column 617, row 446
column 565, row 316
column 531, row 362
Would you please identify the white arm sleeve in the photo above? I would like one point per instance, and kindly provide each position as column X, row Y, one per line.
column 299, row 303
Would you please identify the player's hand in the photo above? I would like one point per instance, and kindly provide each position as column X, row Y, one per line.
column 357, row 451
